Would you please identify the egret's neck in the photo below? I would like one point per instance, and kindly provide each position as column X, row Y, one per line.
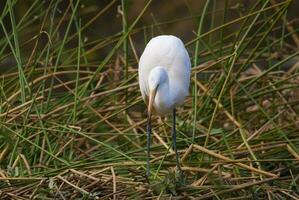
column 159, row 81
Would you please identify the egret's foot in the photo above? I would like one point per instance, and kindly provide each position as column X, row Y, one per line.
column 178, row 172
column 147, row 175
column 180, row 176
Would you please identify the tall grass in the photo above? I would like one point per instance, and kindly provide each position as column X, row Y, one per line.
column 72, row 120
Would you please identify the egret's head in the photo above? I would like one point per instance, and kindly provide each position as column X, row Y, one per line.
column 156, row 78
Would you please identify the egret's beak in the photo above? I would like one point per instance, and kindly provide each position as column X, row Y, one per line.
column 152, row 96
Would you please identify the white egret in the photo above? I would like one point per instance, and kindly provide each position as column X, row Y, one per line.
column 164, row 77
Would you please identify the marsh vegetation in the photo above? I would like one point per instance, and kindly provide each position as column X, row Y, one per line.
column 73, row 123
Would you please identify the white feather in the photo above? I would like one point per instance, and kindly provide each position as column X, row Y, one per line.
column 169, row 53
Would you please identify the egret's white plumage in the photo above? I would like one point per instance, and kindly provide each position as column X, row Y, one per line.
column 165, row 66
column 164, row 76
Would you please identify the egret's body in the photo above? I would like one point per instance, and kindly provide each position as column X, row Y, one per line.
column 164, row 76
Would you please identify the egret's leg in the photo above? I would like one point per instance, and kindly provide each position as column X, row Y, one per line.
column 174, row 141
column 149, row 129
